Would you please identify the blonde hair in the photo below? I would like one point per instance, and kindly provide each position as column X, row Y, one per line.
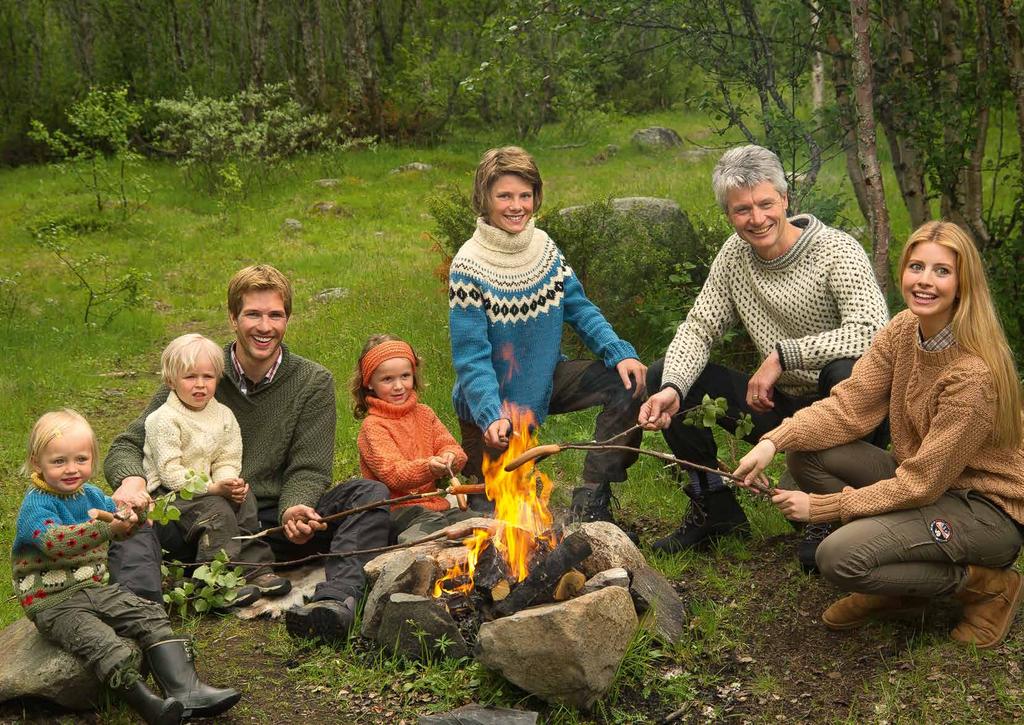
column 358, row 391
column 976, row 325
column 50, row 426
column 259, row 277
column 182, row 354
column 494, row 164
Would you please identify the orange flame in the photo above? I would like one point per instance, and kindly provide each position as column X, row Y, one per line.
column 520, row 503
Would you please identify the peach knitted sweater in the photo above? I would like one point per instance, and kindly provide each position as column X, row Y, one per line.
column 940, row 411
column 395, row 442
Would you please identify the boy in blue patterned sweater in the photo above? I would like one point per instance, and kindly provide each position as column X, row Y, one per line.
column 510, row 291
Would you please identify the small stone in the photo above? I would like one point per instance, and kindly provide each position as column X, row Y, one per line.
column 474, row 714
column 656, row 138
column 327, row 183
column 617, row 577
column 414, row 625
column 331, row 293
column 291, row 225
column 412, row 166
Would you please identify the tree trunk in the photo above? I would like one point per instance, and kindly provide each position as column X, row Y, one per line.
column 261, row 28
column 179, row 54
column 866, row 145
column 363, row 65
column 1015, row 55
column 309, row 23
column 817, row 66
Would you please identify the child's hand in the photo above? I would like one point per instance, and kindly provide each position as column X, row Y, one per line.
column 124, row 527
column 233, row 489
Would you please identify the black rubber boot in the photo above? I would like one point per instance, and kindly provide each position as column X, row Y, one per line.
column 154, row 710
column 711, row 515
column 327, row 620
column 171, row 663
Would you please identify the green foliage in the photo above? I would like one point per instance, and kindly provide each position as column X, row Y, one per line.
column 164, row 510
column 101, row 128
column 211, row 587
column 224, row 144
column 9, row 297
column 110, row 288
column 454, row 220
column 709, row 414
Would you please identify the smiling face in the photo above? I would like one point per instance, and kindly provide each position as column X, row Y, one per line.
column 393, row 380
column 259, row 330
column 930, row 285
column 67, row 461
column 195, row 387
column 758, row 214
column 510, row 203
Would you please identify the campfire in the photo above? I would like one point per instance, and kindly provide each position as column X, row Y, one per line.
column 501, row 558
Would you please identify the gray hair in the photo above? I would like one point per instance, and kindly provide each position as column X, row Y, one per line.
column 744, row 167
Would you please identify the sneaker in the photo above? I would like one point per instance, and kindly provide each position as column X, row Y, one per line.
column 271, row 585
column 327, row 620
column 814, row 534
column 711, row 515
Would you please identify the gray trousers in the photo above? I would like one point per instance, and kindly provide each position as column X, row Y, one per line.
column 91, row 621
column 921, row 552
column 409, row 523
column 211, row 522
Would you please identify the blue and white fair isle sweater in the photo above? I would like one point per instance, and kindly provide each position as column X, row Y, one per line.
column 508, row 296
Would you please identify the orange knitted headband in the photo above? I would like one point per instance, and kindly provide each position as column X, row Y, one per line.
column 385, row 351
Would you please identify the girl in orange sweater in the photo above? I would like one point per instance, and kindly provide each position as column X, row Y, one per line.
column 402, row 442
column 942, row 514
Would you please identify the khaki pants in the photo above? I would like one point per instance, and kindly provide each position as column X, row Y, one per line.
column 915, row 552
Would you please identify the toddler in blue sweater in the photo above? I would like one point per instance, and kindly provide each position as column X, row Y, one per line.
column 510, row 291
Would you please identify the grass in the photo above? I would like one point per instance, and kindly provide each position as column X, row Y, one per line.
column 754, row 646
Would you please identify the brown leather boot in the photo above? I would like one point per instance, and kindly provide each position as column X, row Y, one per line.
column 991, row 599
column 856, row 609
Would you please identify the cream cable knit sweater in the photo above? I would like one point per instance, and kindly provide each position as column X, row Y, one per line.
column 179, row 439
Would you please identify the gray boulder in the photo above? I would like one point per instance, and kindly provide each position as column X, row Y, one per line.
column 414, row 626
column 611, row 549
column 332, row 293
column 327, row 183
column 617, row 577
column 566, row 653
column 662, row 611
column 656, row 138
column 412, row 166
column 474, row 714
column 33, row 667
column 290, row 226
column 407, row 574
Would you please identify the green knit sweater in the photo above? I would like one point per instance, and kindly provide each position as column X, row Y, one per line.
column 287, row 433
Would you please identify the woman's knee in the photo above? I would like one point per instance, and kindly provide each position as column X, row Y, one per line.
column 842, row 563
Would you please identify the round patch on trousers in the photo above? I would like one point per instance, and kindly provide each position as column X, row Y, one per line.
column 941, row 530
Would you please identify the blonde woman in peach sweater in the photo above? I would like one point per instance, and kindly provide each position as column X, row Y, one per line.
column 942, row 513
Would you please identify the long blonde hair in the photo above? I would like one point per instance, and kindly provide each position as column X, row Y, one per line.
column 976, row 326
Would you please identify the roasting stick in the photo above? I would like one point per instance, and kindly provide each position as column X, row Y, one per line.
column 551, row 449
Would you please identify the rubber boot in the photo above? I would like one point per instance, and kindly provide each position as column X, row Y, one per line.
column 327, row 620
column 171, row 663
column 154, row 710
column 856, row 609
column 991, row 598
column 711, row 515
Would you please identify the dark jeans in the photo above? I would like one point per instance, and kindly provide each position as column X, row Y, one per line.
column 577, row 385
column 921, row 552
column 697, row 444
column 135, row 562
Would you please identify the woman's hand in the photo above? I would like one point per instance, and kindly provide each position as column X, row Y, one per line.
column 751, row 466
column 794, row 505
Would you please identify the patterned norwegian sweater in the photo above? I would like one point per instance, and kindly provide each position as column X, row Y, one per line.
column 508, row 298
column 179, row 439
column 395, row 442
column 940, row 411
column 57, row 548
column 816, row 303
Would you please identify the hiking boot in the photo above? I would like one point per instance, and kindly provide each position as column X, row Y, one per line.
column 150, row 707
column 173, row 669
column 592, row 502
column 814, row 534
column 327, row 620
column 854, row 610
column 265, row 585
column 991, row 598
column 711, row 515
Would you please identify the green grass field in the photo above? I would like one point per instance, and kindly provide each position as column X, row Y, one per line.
column 755, row 650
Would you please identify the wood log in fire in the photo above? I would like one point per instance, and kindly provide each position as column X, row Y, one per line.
column 540, row 583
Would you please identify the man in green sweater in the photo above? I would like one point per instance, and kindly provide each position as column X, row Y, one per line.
column 285, row 408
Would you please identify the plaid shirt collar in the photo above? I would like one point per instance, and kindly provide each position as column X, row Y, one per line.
column 243, row 382
column 940, row 341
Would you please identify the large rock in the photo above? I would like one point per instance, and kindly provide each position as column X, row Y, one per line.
column 412, row 166
column 446, row 552
column 656, row 138
column 566, row 653
column 663, row 613
column 474, row 714
column 415, row 626
column 611, row 548
column 33, row 667
column 410, row 573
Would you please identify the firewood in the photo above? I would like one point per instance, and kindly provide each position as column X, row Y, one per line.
column 539, row 584
column 569, row 585
column 500, row 590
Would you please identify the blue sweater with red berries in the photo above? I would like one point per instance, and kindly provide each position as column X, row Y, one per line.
column 57, row 548
column 508, row 297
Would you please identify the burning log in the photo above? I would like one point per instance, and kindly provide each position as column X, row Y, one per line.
column 569, row 585
column 491, row 574
column 540, row 584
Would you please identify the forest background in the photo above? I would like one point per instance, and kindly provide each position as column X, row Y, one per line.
column 155, row 146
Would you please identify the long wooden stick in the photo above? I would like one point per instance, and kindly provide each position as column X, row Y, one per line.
column 553, row 448
column 456, row 489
